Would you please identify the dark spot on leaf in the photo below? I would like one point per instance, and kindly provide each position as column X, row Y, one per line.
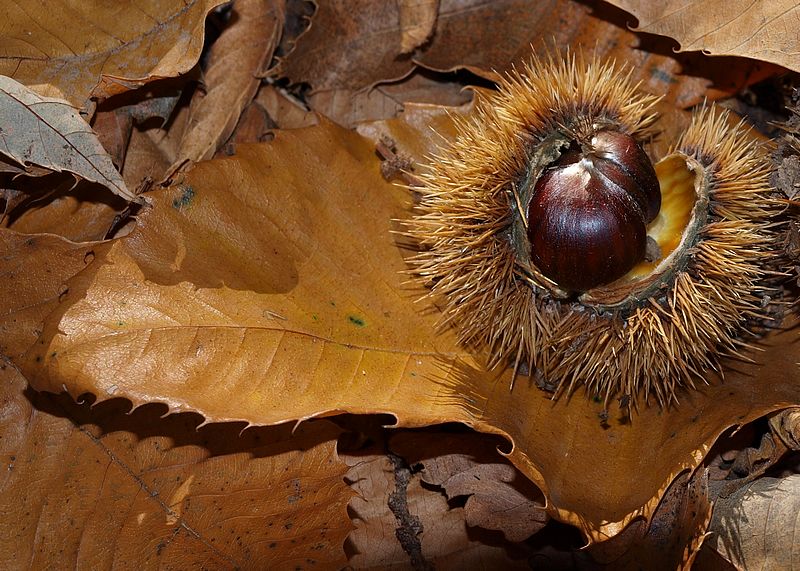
column 185, row 199
column 356, row 320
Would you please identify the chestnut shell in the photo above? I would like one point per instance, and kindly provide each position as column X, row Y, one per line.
column 588, row 215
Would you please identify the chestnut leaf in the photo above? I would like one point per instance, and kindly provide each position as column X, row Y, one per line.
column 267, row 288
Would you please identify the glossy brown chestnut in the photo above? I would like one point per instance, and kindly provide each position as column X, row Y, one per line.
column 588, row 214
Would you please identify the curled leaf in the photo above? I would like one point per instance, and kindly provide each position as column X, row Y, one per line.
column 49, row 133
column 235, row 64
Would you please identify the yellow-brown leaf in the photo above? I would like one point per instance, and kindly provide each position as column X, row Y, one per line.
column 267, row 288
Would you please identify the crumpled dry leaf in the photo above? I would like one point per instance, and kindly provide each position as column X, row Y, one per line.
column 757, row 30
column 50, row 134
column 154, row 147
column 373, row 541
column 267, row 287
column 76, row 481
column 355, row 45
column 236, row 62
column 786, row 425
column 78, row 50
column 500, row 498
column 757, row 526
column 433, row 533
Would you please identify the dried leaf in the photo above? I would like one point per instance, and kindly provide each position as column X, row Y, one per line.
column 76, row 481
column 49, row 133
column 373, row 541
column 76, row 213
column 355, row 45
column 444, row 540
column 500, row 498
column 152, row 149
column 113, row 130
column 116, row 118
column 417, row 21
column 285, row 110
column 757, row 527
column 447, row 540
column 267, row 287
column 235, row 64
column 757, row 30
column 78, row 50
column 33, row 271
column 386, row 101
column 786, row 425
column 673, row 537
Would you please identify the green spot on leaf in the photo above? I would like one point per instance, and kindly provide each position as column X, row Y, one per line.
column 185, row 199
column 356, row 320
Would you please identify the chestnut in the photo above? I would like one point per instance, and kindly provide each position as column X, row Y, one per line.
column 588, row 214
column 530, row 218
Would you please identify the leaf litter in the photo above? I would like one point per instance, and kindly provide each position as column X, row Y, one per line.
column 251, row 290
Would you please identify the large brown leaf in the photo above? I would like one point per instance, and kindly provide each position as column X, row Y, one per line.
column 102, row 489
column 764, row 31
column 81, row 49
column 267, row 288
